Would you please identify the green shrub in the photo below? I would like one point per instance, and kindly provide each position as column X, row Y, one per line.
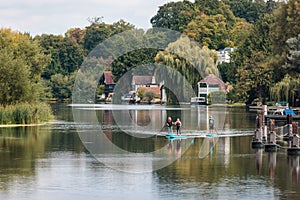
column 25, row 113
column 217, row 97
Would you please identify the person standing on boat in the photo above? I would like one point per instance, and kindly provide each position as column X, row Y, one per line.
column 178, row 126
column 169, row 125
column 211, row 122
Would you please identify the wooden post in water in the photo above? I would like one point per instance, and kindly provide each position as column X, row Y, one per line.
column 257, row 138
column 294, row 143
column 271, row 139
column 289, row 134
column 264, row 126
column 295, row 140
column 295, row 128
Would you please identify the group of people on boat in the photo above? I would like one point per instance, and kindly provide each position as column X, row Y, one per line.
column 178, row 125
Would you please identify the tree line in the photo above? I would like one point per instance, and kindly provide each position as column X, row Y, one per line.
column 264, row 66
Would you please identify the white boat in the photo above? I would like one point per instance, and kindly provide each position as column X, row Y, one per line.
column 198, row 101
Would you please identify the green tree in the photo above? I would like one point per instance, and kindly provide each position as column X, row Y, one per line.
column 137, row 44
column 210, row 31
column 121, row 26
column 98, row 31
column 174, row 15
column 288, row 87
column 22, row 62
column 189, row 62
column 251, row 10
column 293, row 56
column 66, row 55
column 215, row 7
column 62, row 86
column 284, row 36
column 287, row 25
column 76, row 35
column 258, row 40
column 254, row 78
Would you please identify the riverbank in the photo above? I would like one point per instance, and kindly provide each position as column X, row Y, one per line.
column 25, row 114
column 21, row 125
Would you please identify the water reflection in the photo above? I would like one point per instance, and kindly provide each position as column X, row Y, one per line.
column 50, row 162
column 294, row 166
column 272, row 164
column 18, row 148
column 258, row 160
column 138, row 118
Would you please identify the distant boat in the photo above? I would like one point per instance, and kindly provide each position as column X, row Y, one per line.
column 198, row 101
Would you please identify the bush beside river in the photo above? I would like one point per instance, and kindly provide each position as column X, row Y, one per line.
column 25, row 113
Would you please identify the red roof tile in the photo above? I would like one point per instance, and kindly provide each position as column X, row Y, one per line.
column 212, row 79
column 142, row 80
column 108, row 78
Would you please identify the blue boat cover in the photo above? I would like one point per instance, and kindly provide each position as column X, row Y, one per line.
column 289, row 112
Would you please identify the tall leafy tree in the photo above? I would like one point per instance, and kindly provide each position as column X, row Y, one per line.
column 258, row 40
column 62, row 86
column 190, row 60
column 121, row 26
column 174, row 15
column 22, row 62
column 251, row 10
column 140, row 41
column 209, row 30
column 285, row 43
column 286, row 89
column 98, row 31
column 76, row 35
column 66, row 55
column 214, row 7
column 293, row 55
column 254, row 78
column 287, row 25
column 216, row 26
column 289, row 86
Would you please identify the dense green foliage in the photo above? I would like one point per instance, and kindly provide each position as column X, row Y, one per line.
column 22, row 89
column 249, row 9
column 265, row 63
column 25, row 113
column 22, row 63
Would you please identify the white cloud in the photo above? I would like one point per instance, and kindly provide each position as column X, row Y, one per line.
column 56, row 16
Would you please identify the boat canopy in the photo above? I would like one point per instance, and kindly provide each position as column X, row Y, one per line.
column 289, row 112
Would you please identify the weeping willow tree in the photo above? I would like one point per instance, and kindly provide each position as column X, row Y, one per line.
column 189, row 63
column 286, row 89
column 289, row 86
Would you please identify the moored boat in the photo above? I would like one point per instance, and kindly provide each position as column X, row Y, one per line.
column 198, row 101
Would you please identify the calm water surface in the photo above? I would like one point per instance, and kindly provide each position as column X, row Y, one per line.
column 57, row 160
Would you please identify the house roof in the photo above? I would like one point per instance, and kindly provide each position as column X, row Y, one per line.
column 142, row 80
column 108, row 78
column 212, row 79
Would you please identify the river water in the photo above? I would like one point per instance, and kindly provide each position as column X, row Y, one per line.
column 116, row 152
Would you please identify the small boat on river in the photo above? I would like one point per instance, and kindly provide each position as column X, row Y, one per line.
column 198, row 101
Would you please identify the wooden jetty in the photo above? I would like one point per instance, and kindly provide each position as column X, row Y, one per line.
column 268, row 141
column 259, row 137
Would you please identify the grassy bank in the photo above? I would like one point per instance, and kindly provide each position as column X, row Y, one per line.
column 25, row 113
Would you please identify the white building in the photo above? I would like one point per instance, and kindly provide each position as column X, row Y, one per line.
column 210, row 83
column 224, row 55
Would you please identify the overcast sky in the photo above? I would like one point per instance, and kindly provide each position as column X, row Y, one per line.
column 57, row 16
